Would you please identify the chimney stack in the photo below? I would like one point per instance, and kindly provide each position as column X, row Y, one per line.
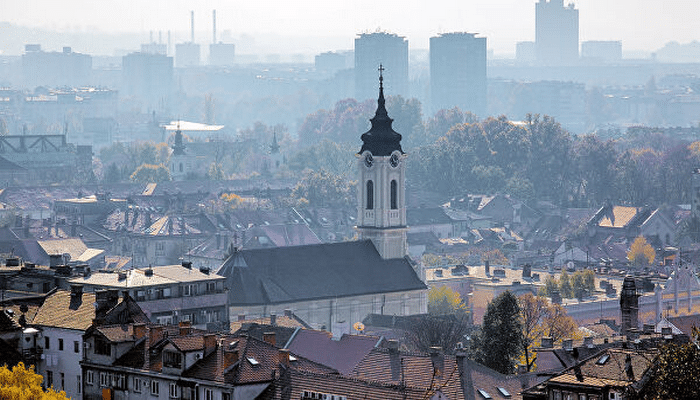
column 76, row 291
column 185, row 328
column 139, row 331
column 155, row 335
column 273, row 319
column 438, row 360
column 213, row 16
column 192, row 26
column 284, row 357
column 230, row 357
column 269, row 337
column 209, row 343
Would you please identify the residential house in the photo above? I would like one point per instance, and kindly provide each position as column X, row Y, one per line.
column 613, row 373
column 60, row 323
column 147, row 361
column 169, row 293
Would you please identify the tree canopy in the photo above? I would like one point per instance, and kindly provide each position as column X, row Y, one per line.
column 676, row 372
column 541, row 319
column 21, row 383
column 641, row 253
column 500, row 341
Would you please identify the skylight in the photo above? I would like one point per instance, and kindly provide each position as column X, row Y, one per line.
column 484, row 394
column 504, row 392
column 603, row 359
column 292, row 358
column 253, row 361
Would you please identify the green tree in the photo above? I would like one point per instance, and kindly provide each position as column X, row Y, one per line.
column 216, row 172
column 550, row 285
column 582, row 283
column 20, row 383
column 442, row 300
column 500, row 341
column 676, row 372
column 149, row 173
column 566, row 288
column 322, row 189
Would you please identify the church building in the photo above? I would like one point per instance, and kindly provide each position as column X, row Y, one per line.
column 332, row 286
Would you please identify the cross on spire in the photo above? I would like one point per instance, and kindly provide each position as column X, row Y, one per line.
column 381, row 76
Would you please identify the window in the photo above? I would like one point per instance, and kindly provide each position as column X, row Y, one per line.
column 370, row 195
column 89, row 377
column 49, row 378
column 211, row 287
column 104, row 379
column 155, row 388
column 119, row 381
column 208, row 394
column 504, row 392
column 63, row 381
column 79, row 387
column 137, row 384
column 394, row 195
column 225, row 396
column 102, row 346
column 76, row 346
column 484, row 394
column 172, row 359
column 173, row 390
column 47, row 343
column 60, row 344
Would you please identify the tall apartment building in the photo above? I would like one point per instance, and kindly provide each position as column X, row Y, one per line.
column 387, row 49
column 148, row 77
column 458, row 72
column 55, row 69
column 556, row 33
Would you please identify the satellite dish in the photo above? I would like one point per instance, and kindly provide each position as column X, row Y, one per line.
column 359, row 326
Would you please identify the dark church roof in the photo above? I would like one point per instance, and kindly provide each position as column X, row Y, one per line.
column 297, row 273
column 381, row 139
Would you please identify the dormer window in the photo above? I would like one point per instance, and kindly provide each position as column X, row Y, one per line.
column 172, row 359
column 103, row 346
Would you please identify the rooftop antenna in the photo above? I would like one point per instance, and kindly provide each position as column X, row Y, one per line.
column 191, row 26
column 213, row 16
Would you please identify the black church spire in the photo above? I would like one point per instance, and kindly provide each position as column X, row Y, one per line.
column 381, row 139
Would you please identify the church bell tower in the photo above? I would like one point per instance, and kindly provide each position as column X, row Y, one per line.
column 381, row 206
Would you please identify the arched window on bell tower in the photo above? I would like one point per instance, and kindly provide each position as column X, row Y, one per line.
column 370, row 195
column 394, row 195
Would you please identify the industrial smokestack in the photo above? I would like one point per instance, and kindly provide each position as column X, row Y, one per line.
column 213, row 16
column 192, row 26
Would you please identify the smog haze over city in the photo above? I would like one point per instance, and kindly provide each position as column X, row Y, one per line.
column 643, row 25
column 351, row 199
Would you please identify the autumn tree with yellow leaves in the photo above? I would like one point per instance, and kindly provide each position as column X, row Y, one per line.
column 641, row 253
column 20, row 383
column 541, row 319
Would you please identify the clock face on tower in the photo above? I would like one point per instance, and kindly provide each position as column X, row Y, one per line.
column 368, row 160
column 394, row 160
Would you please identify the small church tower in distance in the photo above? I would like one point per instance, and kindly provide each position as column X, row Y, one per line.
column 381, row 206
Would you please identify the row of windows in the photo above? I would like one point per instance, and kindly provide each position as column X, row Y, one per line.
column 369, row 204
column 166, row 292
column 47, row 344
column 118, row 381
column 62, row 376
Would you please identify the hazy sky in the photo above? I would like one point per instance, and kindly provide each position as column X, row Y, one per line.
column 640, row 24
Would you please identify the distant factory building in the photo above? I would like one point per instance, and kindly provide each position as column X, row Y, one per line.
column 220, row 53
column 556, row 33
column 390, row 50
column 458, row 72
column 187, row 54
